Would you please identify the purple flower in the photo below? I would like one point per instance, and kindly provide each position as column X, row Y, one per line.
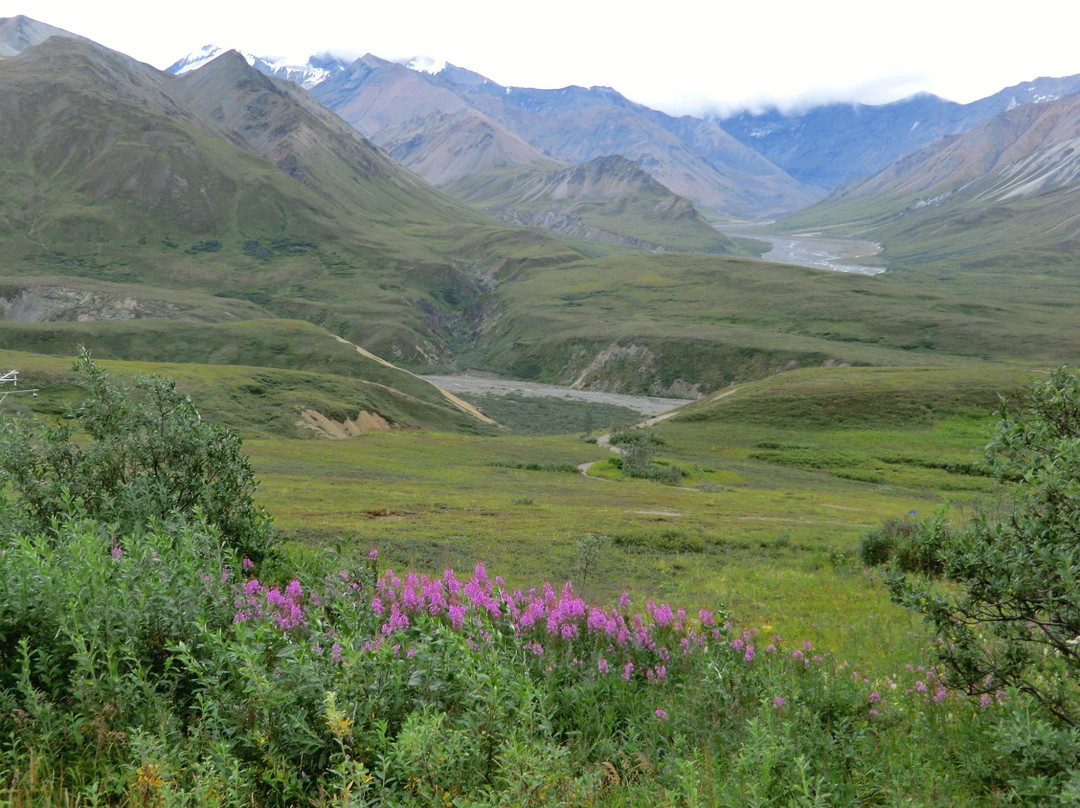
column 660, row 714
column 373, row 554
column 335, row 652
column 778, row 702
column 117, row 552
column 874, row 697
column 602, row 666
column 247, row 563
column 628, row 671
column 749, row 655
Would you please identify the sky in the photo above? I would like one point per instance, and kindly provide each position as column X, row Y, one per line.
column 679, row 56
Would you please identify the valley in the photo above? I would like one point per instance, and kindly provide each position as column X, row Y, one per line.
column 429, row 304
column 811, row 250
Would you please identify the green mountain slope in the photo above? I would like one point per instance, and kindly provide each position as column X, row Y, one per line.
column 232, row 184
column 609, row 199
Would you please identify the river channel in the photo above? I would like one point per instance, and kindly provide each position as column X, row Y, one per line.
column 483, row 385
column 811, row 249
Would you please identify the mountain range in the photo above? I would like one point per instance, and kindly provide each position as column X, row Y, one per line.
column 315, row 70
column 1005, row 194
column 693, row 158
column 828, row 145
column 227, row 216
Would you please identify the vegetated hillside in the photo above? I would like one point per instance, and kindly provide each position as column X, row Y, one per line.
column 608, row 198
column 230, row 183
column 1000, row 196
column 830, row 144
column 224, row 195
column 693, row 158
column 342, row 397
column 687, row 325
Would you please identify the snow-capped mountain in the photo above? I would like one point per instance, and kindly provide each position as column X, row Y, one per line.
column 313, row 72
column 425, row 64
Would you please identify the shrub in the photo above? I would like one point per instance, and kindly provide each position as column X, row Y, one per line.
column 907, row 544
column 1014, row 617
column 147, row 456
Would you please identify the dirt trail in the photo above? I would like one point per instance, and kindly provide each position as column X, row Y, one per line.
column 605, row 439
column 462, row 405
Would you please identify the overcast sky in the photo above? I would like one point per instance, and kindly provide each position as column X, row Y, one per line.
column 681, row 56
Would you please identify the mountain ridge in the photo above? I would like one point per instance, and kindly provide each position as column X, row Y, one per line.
column 572, row 124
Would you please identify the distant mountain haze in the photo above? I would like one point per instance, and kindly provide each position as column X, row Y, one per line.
column 449, row 123
column 606, row 199
column 692, row 158
column 826, row 146
column 1006, row 192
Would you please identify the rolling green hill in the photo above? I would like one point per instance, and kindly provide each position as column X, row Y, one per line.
column 232, row 184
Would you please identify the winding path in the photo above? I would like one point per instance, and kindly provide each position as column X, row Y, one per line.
column 605, row 439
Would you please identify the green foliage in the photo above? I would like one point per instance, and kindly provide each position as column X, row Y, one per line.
column 909, row 545
column 208, row 246
column 143, row 456
column 1014, row 618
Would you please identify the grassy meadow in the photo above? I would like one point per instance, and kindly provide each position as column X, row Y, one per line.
column 779, row 480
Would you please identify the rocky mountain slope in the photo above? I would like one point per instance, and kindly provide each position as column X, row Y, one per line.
column 828, row 145
column 691, row 157
column 444, row 148
column 607, row 198
column 19, row 33
column 1004, row 193
column 314, row 71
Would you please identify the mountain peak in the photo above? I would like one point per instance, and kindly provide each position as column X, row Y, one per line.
column 20, row 33
column 309, row 74
column 195, row 59
column 425, row 64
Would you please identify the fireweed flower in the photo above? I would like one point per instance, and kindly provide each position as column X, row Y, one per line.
column 778, row 702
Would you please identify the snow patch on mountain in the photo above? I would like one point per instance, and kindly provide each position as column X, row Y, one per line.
column 311, row 73
column 196, row 59
column 425, row 64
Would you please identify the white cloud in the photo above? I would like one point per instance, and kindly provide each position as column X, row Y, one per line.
column 678, row 55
